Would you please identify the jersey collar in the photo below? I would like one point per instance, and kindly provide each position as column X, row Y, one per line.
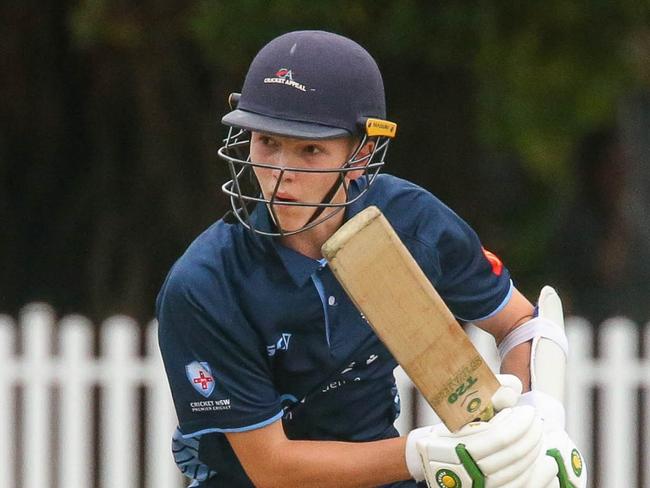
column 298, row 266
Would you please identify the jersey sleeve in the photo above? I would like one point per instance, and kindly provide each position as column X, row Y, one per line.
column 218, row 374
column 474, row 282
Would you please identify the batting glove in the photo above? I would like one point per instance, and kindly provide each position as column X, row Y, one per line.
column 506, row 452
column 505, row 397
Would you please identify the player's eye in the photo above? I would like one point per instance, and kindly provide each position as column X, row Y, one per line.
column 264, row 140
column 312, row 149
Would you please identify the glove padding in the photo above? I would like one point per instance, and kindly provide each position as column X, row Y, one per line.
column 572, row 471
column 506, row 452
column 571, row 467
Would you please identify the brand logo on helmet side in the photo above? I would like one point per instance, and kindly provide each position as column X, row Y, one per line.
column 284, row 76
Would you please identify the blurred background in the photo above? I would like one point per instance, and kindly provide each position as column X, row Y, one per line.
column 530, row 119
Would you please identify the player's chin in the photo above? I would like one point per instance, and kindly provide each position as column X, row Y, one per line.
column 292, row 218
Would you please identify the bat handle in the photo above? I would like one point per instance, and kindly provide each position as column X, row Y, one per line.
column 486, row 414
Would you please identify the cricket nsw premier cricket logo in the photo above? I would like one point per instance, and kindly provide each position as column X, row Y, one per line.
column 284, row 76
column 200, row 376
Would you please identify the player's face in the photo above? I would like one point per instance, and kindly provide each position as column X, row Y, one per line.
column 286, row 153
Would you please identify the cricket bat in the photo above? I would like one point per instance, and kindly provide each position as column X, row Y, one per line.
column 399, row 302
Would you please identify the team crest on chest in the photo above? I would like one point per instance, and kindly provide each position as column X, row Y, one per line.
column 200, row 376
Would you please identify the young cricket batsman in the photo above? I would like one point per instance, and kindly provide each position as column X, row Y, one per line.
column 277, row 379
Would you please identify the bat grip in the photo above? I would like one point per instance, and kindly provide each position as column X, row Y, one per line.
column 486, row 414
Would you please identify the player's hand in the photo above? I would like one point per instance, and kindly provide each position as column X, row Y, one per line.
column 506, row 452
column 507, row 396
column 572, row 470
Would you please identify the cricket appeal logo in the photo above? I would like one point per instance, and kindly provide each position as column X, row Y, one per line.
column 284, row 76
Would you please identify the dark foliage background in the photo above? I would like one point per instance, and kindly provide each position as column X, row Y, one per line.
column 110, row 123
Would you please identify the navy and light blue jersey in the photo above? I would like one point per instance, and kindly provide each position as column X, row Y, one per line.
column 252, row 332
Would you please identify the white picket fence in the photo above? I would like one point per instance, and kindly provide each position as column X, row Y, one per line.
column 71, row 416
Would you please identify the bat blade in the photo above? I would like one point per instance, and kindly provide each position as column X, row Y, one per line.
column 388, row 287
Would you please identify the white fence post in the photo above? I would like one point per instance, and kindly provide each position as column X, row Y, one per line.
column 161, row 472
column 119, row 413
column 618, row 408
column 7, row 414
column 37, row 322
column 75, row 446
column 580, row 376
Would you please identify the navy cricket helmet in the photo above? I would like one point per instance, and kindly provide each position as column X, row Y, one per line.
column 310, row 85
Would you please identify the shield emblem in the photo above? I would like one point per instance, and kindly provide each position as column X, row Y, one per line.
column 200, row 376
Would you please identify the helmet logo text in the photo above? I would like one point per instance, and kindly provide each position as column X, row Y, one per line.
column 284, row 76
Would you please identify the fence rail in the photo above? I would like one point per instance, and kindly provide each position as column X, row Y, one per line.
column 89, row 406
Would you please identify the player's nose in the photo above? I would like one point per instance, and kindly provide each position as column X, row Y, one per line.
column 285, row 161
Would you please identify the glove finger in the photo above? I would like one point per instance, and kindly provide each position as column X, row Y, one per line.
column 530, row 442
column 508, row 394
column 539, row 473
column 517, row 472
column 511, row 381
column 505, row 428
column 504, row 397
column 544, row 472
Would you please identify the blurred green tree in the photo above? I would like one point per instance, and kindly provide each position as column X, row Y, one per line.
column 107, row 150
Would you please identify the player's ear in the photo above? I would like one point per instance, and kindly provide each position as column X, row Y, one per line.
column 360, row 156
column 367, row 149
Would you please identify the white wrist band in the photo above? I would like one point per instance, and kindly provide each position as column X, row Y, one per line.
column 535, row 327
